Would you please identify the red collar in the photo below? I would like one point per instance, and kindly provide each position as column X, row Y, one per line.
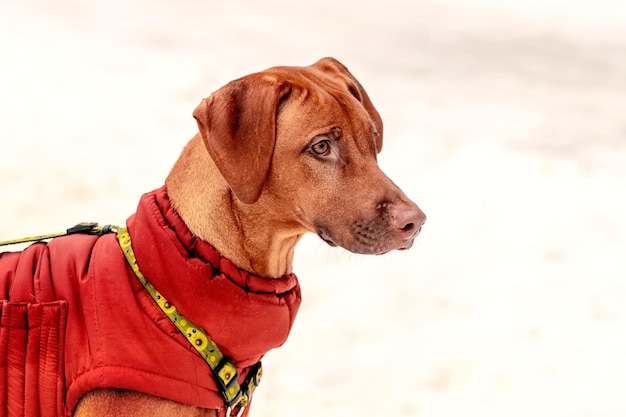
column 246, row 315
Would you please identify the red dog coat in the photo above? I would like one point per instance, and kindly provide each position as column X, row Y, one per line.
column 74, row 317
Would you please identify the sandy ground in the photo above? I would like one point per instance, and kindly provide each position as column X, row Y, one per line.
column 505, row 121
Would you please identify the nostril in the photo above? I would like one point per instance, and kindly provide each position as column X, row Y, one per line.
column 407, row 218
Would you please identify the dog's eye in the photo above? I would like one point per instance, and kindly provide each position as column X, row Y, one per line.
column 321, row 148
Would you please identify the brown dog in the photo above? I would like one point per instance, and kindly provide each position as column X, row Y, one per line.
column 290, row 150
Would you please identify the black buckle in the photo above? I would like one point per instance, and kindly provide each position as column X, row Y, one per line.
column 90, row 228
column 236, row 397
column 226, row 376
column 253, row 379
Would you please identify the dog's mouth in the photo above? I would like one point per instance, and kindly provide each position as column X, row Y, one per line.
column 366, row 242
column 323, row 234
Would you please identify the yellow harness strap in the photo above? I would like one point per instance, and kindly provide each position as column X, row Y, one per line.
column 82, row 228
column 224, row 370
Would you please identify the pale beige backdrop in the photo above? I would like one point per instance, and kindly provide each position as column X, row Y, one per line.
column 506, row 121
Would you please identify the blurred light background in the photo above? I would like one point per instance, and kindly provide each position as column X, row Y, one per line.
column 505, row 121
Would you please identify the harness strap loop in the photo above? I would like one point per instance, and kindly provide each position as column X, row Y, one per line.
column 86, row 228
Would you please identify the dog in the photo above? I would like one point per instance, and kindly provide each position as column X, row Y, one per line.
column 279, row 153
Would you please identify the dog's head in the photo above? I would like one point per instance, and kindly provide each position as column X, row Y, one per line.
column 302, row 142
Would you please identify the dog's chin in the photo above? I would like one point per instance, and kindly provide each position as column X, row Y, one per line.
column 370, row 247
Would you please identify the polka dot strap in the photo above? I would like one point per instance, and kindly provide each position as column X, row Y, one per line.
column 224, row 370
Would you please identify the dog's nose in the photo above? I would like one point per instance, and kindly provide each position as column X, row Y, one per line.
column 408, row 219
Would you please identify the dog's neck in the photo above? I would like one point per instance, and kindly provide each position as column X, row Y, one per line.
column 206, row 204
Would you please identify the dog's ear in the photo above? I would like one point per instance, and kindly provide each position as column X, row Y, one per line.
column 238, row 126
column 331, row 65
